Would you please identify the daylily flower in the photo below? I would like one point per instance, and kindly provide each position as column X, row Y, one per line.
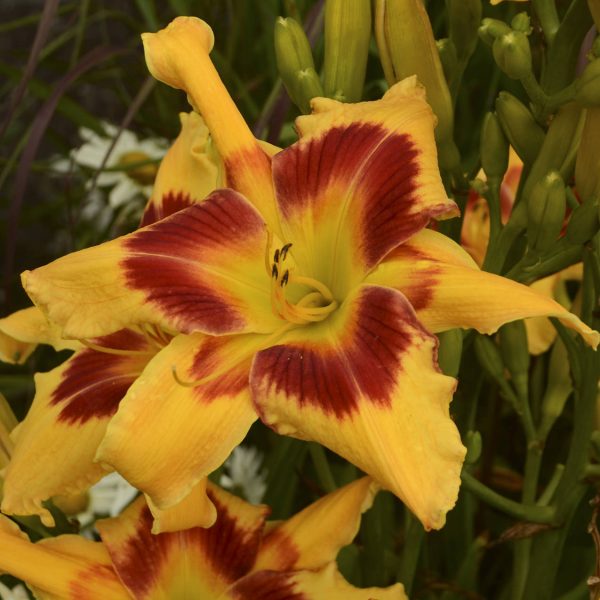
column 240, row 558
column 308, row 294
column 475, row 237
column 55, row 446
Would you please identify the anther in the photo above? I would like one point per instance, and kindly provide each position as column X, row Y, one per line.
column 285, row 278
column 274, row 272
column 276, row 256
column 284, row 251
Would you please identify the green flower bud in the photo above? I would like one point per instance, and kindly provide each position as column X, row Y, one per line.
column 515, row 355
column 584, row 222
column 448, row 57
column 494, row 148
column 558, row 388
column 489, row 357
column 464, row 17
column 491, row 29
column 521, row 129
column 293, row 55
column 347, row 37
column 546, row 211
column 588, row 85
column 512, row 54
column 473, row 445
column 307, row 86
column 407, row 47
column 521, row 22
column 587, row 165
column 450, row 351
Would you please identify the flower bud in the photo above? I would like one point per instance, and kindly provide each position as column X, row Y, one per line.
column 515, row 355
column 473, row 445
column 491, row 29
column 494, row 148
column 588, row 85
column 407, row 47
column 587, row 165
column 307, row 86
column 347, row 36
column 512, row 54
column 521, row 22
column 546, row 211
column 448, row 57
column 521, row 129
column 293, row 55
column 464, row 17
column 584, row 223
column 558, row 388
column 450, row 351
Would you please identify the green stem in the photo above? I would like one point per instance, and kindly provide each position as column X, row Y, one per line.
column 532, row 513
column 414, row 535
column 548, row 16
column 548, row 493
column 319, row 458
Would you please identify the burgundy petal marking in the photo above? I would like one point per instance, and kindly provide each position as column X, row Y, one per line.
column 230, row 383
column 169, row 204
column 365, row 364
column 230, row 551
column 287, row 550
column 378, row 167
column 266, row 585
column 94, row 382
column 252, row 159
column 165, row 261
column 82, row 591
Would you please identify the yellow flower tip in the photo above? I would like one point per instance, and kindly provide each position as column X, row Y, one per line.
column 172, row 48
column 409, row 87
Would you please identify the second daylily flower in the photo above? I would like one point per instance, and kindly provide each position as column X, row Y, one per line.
column 307, row 295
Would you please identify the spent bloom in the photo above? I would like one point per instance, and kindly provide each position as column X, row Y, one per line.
column 306, row 293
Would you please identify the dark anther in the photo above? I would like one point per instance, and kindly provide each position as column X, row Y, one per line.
column 284, row 251
column 276, row 256
column 274, row 272
column 285, row 278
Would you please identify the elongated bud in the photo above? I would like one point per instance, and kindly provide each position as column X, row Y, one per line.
column 515, row 355
column 558, row 389
column 347, row 37
column 489, row 357
column 512, row 54
column 491, row 29
column 587, row 165
column 464, row 17
column 450, row 351
column 294, row 56
column 588, row 85
column 521, row 129
column 407, row 47
column 494, row 148
column 546, row 211
column 473, row 445
column 448, row 57
column 584, row 223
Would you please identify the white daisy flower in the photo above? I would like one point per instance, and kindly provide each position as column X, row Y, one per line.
column 128, row 149
column 243, row 474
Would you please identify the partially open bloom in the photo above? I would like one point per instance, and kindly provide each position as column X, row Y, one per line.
column 240, row 557
column 306, row 294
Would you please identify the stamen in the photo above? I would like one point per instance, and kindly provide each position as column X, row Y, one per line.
column 275, row 272
column 268, row 253
column 284, row 250
column 276, row 256
column 314, row 283
column 117, row 351
column 285, row 279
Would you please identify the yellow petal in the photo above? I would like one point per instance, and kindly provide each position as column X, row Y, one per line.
column 23, row 330
column 189, row 172
column 67, row 567
column 447, row 290
column 325, row 584
column 166, row 436
column 365, row 384
column 312, row 538
column 179, row 56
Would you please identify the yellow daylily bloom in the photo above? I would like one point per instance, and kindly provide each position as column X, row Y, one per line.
column 75, row 401
column 475, row 237
column 310, row 300
column 241, row 557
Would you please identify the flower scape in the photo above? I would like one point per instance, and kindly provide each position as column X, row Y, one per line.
column 316, row 291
